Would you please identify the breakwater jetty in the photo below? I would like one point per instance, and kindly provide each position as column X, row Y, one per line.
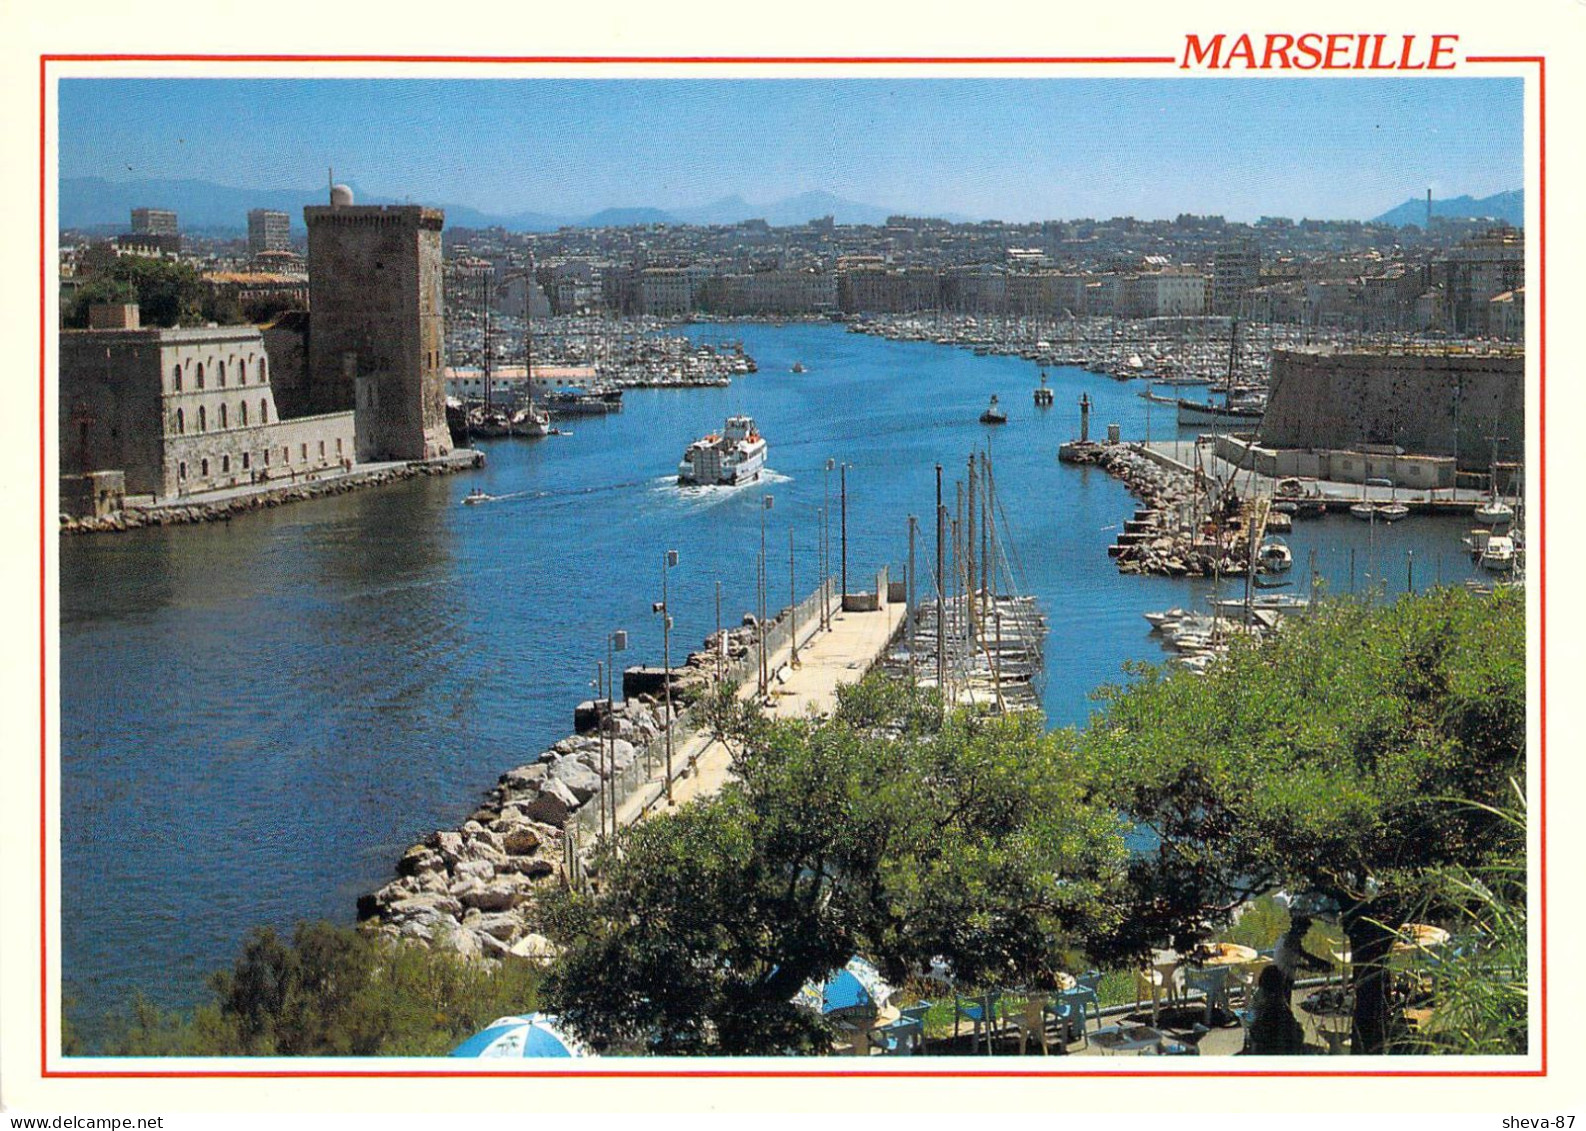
column 472, row 888
column 1186, row 526
column 226, row 504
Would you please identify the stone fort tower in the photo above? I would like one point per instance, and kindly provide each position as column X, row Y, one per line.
column 376, row 341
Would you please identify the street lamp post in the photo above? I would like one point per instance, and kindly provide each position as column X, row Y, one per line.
column 615, row 642
column 600, row 684
column 826, row 547
column 792, row 600
column 765, row 674
column 668, row 561
column 844, row 476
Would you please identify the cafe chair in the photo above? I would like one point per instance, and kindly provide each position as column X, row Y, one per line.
column 917, row 1013
column 1031, row 1022
column 1069, row 1014
column 1087, row 994
column 981, row 1012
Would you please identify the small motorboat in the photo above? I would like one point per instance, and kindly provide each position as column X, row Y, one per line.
column 1275, row 556
column 1392, row 511
column 475, row 497
column 1498, row 555
column 994, row 413
column 798, row 367
column 1166, row 617
column 1364, row 511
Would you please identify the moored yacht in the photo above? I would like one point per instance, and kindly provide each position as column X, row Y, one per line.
column 736, row 455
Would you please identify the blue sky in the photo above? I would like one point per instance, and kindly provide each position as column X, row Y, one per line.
column 1006, row 149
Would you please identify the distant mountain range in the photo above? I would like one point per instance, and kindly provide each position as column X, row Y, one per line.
column 93, row 203
column 1506, row 206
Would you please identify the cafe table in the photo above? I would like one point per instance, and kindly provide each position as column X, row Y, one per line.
column 1218, row 959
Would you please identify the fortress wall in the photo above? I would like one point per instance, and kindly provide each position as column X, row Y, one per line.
column 1429, row 404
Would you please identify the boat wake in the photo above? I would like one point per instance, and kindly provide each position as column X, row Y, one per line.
column 703, row 496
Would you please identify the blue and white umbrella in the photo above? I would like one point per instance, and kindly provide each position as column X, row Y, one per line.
column 514, row 1037
column 856, row 989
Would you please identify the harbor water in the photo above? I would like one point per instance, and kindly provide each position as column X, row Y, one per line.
column 259, row 716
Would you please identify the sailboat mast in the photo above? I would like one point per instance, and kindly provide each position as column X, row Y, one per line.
column 484, row 298
column 941, row 592
column 969, row 552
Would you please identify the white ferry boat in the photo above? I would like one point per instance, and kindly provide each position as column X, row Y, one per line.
column 734, row 456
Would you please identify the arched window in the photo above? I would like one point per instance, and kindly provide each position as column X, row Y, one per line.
column 220, row 374
column 203, row 425
column 261, row 371
column 176, row 379
column 264, row 411
column 203, row 468
column 198, row 372
column 225, row 465
column 242, row 372
column 181, row 470
column 223, row 415
column 181, row 422
column 243, row 408
column 245, row 461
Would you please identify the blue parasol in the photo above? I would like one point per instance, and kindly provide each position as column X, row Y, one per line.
column 513, row 1037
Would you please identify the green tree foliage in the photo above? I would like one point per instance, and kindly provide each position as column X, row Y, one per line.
column 167, row 292
column 333, row 991
column 1322, row 761
column 1479, row 981
column 890, row 830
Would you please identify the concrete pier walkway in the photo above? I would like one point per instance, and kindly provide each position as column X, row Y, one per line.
column 827, row 659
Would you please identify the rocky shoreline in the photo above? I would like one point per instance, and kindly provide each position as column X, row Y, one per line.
column 471, row 889
column 223, row 510
column 1163, row 538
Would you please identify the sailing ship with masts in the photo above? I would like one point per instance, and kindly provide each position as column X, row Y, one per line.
column 973, row 635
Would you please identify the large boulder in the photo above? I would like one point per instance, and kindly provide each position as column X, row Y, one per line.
column 501, row 894
column 425, row 905
column 533, row 867
column 622, row 754
column 482, row 870
column 524, row 779
column 520, row 840
column 582, row 781
column 552, row 806
column 449, row 844
column 498, row 924
column 419, row 859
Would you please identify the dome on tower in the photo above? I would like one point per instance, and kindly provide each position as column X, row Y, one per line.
column 340, row 196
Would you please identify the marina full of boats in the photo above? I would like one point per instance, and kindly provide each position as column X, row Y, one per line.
column 1175, row 350
column 1196, row 640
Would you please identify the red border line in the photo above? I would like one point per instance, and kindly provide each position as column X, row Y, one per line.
column 727, row 1073
column 586, row 60
column 44, row 733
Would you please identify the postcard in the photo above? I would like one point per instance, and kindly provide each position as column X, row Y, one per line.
column 701, row 565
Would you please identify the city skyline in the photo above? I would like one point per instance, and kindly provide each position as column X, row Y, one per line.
column 1015, row 150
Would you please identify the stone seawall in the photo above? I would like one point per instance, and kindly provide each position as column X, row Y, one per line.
column 1164, row 537
column 470, row 889
column 1429, row 403
column 223, row 510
